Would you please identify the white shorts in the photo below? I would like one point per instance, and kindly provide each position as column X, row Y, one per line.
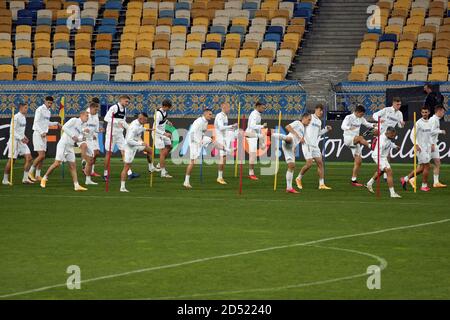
column 288, row 151
column 20, row 149
column 224, row 142
column 355, row 149
column 384, row 163
column 117, row 140
column 194, row 150
column 311, row 152
column 252, row 144
column 92, row 145
column 162, row 141
column 64, row 152
column 435, row 154
column 130, row 153
column 39, row 143
column 424, row 156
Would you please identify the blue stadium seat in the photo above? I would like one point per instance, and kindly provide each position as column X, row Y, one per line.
column 61, row 22
column 181, row 21
column 182, row 6
column 107, row 29
column 276, row 37
column 64, row 69
column 218, row 29
column 102, row 53
column 44, row 22
column 87, row 22
column 421, row 53
column 6, row 60
column 388, row 37
column 113, row 4
column 303, row 13
column 275, row 29
column 250, row 5
column 304, row 5
column 212, row 45
column 109, row 22
column 166, row 14
column 100, row 77
column 102, row 61
column 25, row 61
column 238, row 29
column 35, row 5
column 62, row 45
column 25, row 21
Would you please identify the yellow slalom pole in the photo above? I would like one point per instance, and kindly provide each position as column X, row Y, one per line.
column 237, row 147
column 12, row 145
column 153, row 148
column 415, row 155
column 277, row 161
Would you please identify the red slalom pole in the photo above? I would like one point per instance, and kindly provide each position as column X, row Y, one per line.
column 241, row 166
column 110, row 154
column 378, row 156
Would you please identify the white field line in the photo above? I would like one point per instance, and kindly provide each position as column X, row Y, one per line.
column 382, row 264
column 122, row 197
column 242, row 253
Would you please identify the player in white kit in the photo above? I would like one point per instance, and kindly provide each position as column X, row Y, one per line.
column 224, row 134
column 163, row 139
column 353, row 140
column 290, row 142
column 134, row 144
column 20, row 145
column 424, row 132
column 386, row 145
column 40, row 129
column 254, row 134
column 390, row 117
column 311, row 150
column 73, row 132
column 439, row 112
column 90, row 147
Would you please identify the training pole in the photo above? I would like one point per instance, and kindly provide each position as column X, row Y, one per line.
column 241, row 165
column 62, row 131
column 378, row 157
column 153, row 147
column 277, row 160
column 12, row 145
column 237, row 141
column 110, row 154
column 415, row 154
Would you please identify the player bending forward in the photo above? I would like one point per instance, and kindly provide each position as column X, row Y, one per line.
column 133, row 144
column 386, row 145
column 295, row 136
column 352, row 139
column 311, row 149
column 73, row 132
column 20, row 146
column 198, row 141
column 424, row 147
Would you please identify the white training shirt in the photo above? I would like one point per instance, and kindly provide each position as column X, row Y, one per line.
column 221, row 126
column 352, row 125
column 390, row 116
column 254, row 123
column 42, row 120
column 424, row 132
column 299, row 128
column 198, row 130
column 160, row 128
column 435, row 122
column 93, row 124
column 72, row 128
column 134, row 134
column 386, row 145
column 314, row 131
column 20, row 123
column 117, row 130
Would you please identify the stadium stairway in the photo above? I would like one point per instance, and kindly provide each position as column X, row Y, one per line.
column 330, row 47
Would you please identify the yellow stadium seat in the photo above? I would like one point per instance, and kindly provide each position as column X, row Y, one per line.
column 214, row 37
column 259, row 69
column 128, row 37
column 126, row 53
column 128, row 44
column 42, row 37
column 385, row 53
column 23, row 29
column 256, row 77
column 369, row 45
column 179, row 29
column 200, row 21
column 145, row 45
column 150, row 13
column 366, row 53
column 196, row 37
column 198, row 77
column 133, row 21
column 437, row 68
column 84, row 69
column 274, row 77
column 145, row 37
column 209, row 53
column 61, row 37
column 230, row 53
column 439, row 61
column 141, row 76
column 233, row 37
column 240, row 22
column 247, row 53
column 294, row 37
column 360, row 69
column 5, row 44
column 192, row 53
column 438, row 77
column 357, row 76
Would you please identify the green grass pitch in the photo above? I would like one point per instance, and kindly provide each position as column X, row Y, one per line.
column 211, row 243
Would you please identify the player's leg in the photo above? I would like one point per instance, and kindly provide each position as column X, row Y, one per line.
column 426, row 171
column 73, row 172
column 221, row 167
column 356, row 167
column 6, row 173
column 35, row 169
column 163, row 153
column 390, row 182
column 26, row 168
column 321, row 173
column 124, row 177
column 194, row 154
column 89, row 158
column 189, row 168
column 303, row 170
column 47, row 174
column 109, row 147
column 289, row 177
column 360, row 140
column 94, row 160
column 436, row 171
column 253, row 149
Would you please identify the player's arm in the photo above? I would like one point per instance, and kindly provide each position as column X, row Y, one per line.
column 38, row 119
column 379, row 114
column 401, row 122
column 345, row 124
column 290, row 129
column 411, row 135
column 109, row 114
column 157, row 122
column 18, row 133
column 368, row 124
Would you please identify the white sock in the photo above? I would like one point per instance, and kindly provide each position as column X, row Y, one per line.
column 392, row 191
column 129, row 172
column 371, row 181
column 122, row 184
column 300, row 176
column 436, row 178
column 32, row 168
column 38, row 172
column 279, row 136
column 88, row 179
column 186, row 179
column 92, row 170
column 406, row 178
column 353, row 179
column 220, row 174
column 45, row 177
column 25, row 176
column 105, row 172
column 6, row 177
column 424, row 185
column 385, row 175
column 251, row 172
column 289, row 176
column 321, row 182
column 76, row 184
column 163, row 171
column 150, row 166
